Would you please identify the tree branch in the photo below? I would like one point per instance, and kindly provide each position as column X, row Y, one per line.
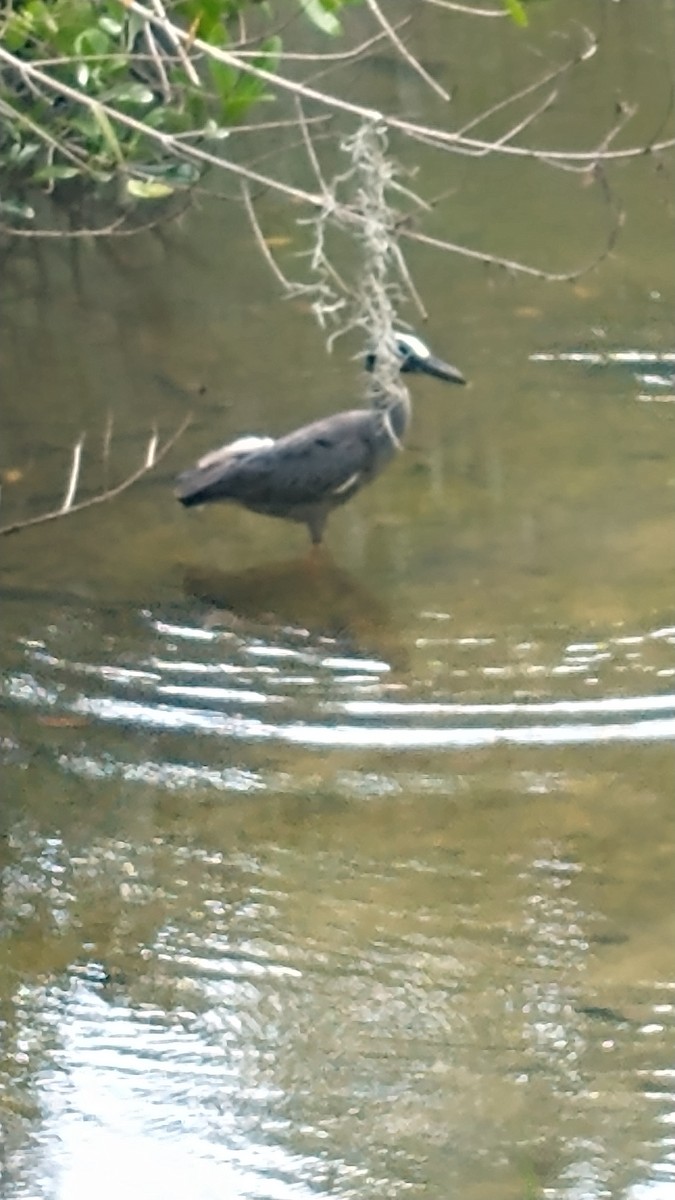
column 154, row 454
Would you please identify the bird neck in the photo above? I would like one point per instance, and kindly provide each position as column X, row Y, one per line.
column 394, row 409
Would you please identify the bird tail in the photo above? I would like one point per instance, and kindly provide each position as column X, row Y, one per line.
column 198, row 486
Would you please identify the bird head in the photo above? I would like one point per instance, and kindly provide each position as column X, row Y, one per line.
column 415, row 356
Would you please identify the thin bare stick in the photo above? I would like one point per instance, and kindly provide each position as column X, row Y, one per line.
column 74, row 476
column 157, row 60
column 171, row 33
column 447, row 138
column 532, row 116
column 151, row 452
column 103, row 497
column 107, row 442
column 258, row 127
column 334, row 56
column 113, row 229
column 405, row 52
column 260, row 239
column 364, row 49
column 543, row 81
column 309, row 146
column 513, row 265
column 449, row 6
column 408, row 280
column 441, row 138
column 73, row 154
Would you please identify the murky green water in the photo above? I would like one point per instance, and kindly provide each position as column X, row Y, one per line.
column 351, row 881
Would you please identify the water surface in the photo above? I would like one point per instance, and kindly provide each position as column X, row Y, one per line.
column 350, row 880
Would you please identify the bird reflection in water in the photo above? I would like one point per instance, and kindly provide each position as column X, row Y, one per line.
column 310, row 593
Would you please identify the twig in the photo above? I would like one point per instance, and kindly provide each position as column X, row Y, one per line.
column 172, row 34
column 151, row 452
column 309, row 146
column 153, row 455
column 73, row 480
column 112, row 229
column 260, row 239
column 448, row 138
column 450, row 6
column 513, row 265
column 405, row 52
column 105, row 448
column 363, row 49
column 408, row 280
column 158, row 63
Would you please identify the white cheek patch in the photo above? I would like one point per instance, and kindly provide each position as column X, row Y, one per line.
column 414, row 344
column 243, row 445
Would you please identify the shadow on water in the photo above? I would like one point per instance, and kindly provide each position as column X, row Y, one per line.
column 311, row 593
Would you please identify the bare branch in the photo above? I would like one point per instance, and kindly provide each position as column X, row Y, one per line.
column 73, row 154
column 408, row 280
column 73, row 480
column 105, row 447
column 260, row 239
column 543, row 81
column 153, row 455
column 114, row 228
column 363, row 49
column 171, row 33
column 157, row 61
column 449, row 6
column 151, row 452
column 309, row 146
column 513, row 265
column 405, row 52
column 448, row 138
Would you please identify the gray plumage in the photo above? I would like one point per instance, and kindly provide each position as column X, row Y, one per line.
column 305, row 474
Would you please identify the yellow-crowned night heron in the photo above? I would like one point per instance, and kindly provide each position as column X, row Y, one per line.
column 309, row 472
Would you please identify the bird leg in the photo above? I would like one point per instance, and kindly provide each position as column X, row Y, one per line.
column 315, row 525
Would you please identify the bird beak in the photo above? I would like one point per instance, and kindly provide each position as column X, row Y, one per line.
column 441, row 370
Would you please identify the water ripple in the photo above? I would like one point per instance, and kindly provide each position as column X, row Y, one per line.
column 290, row 689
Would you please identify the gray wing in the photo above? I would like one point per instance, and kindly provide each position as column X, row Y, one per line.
column 308, row 466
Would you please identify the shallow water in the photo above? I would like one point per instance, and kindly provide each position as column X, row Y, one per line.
column 348, row 878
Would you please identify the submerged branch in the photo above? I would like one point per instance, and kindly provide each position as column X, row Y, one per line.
column 154, row 453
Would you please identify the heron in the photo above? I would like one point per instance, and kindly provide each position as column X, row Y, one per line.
column 305, row 474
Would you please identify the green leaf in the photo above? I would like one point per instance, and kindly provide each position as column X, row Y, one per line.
column 179, row 173
column 148, row 189
column 107, row 131
column 271, row 53
column 321, row 15
column 210, row 16
column 54, row 172
column 516, row 11
column 91, row 41
column 130, row 93
column 21, row 152
column 224, row 77
column 43, row 20
column 17, row 208
column 110, row 26
column 15, row 31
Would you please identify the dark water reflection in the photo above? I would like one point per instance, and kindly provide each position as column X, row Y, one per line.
column 353, row 879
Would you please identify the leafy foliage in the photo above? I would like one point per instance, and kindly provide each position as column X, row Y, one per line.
column 104, row 75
